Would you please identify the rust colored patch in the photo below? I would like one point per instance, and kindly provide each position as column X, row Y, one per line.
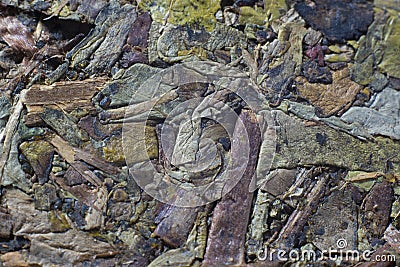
column 330, row 99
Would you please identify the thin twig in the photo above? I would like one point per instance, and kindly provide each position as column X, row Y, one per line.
column 9, row 132
column 165, row 19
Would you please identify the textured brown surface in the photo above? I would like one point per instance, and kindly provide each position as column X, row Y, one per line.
column 320, row 76
column 332, row 98
column 225, row 244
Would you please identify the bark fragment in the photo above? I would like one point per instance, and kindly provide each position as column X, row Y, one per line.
column 231, row 215
column 174, row 228
column 66, row 96
column 6, row 225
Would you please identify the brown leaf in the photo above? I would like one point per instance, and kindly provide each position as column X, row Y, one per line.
column 332, row 98
column 231, row 214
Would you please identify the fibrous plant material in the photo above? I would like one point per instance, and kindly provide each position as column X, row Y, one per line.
column 199, row 133
column 230, row 216
column 331, row 98
column 67, row 96
column 344, row 14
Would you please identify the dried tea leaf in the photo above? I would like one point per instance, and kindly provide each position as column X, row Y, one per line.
column 15, row 258
column 39, row 154
column 183, row 12
column 391, row 55
column 332, row 98
column 315, row 73
column 12, row 173
column 369, row 53
column 45, row 196
column 77, row 246
column 375, row 214
column 139, row 33
column 326, row 15
column 325, row 231
column 6, row 225
column 272, row 10
column 299, row 145
column 105, row 42
column 177, row 43
column 27, row 220
column 231, row 214
column 258, row 224
column 145, row 145
column 64, row 125
column 381, row 118
column 176, row 226
column 120, row 91
column 179, row 257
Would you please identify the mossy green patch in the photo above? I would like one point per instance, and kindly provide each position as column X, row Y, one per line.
column 58, row 221
column 249, row 15
column 59, row 10
column 366, row 184
column 273, row 9
column 391, row 58
column 183, row 12
column 202, row 13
